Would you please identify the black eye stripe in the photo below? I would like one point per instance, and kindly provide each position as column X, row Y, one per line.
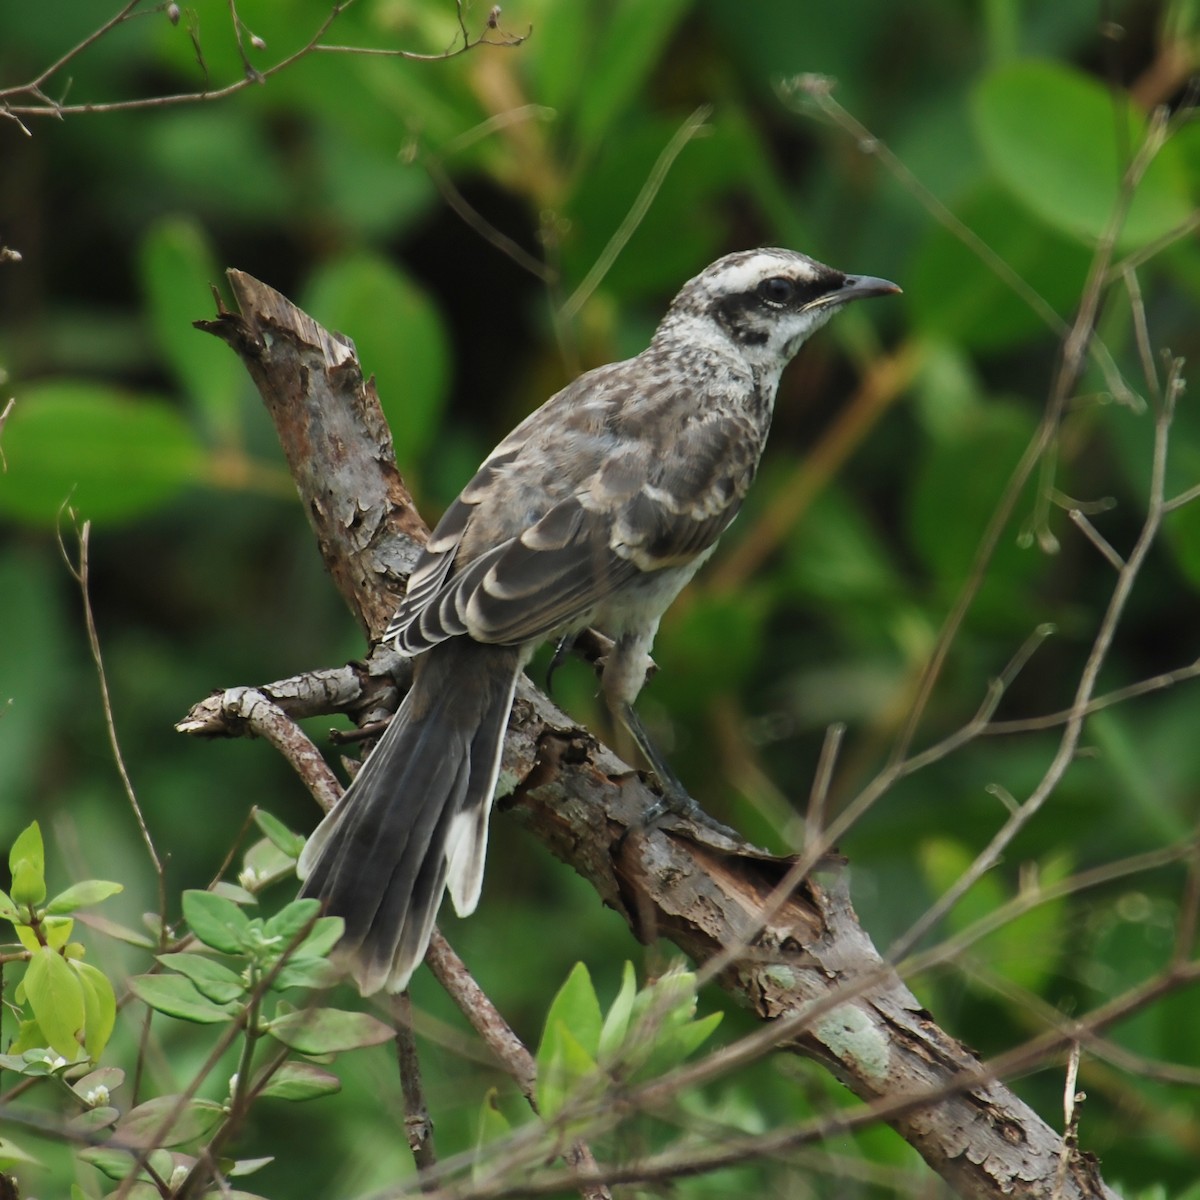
column 801, row 292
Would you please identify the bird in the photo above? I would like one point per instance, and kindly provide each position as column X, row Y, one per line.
column 593, row 513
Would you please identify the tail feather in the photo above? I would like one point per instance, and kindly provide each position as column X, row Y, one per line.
column 416, row 816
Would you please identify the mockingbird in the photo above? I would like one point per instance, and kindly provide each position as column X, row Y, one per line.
column 595, row 511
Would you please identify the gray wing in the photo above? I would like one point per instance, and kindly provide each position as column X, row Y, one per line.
column 576, row 502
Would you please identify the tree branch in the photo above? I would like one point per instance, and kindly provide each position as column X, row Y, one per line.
column 805, row 955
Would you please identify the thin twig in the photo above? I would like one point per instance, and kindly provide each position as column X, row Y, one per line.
column 1070, row 1142
column 1093, row 535
column 480, row 224
column 637, row 211
column 418, row 1125
column 252, row 76
column 80, row 572
column 814, row 821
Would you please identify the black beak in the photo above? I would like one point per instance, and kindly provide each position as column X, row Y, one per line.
column 856, row 287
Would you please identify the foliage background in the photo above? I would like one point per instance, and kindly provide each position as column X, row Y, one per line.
column 337, row 181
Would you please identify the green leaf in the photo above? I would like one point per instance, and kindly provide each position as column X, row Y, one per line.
column 328, row 1030
column 1050, row 134
column 94, row 1120
column 616, row 1021
column 57, row 931
column 286, row 924
column 306, row 972
column 248, row 1166
column 562, row 1064
column 99, row 1007
column 213, row 980
column 178, row 272
column 55, row 995
column 112, row 454
column 263, row 864
column 326, row 934
column 97, row 1087
column 290, row 843
column 114, row 1164
column 152, row 1123
column 27, row 858
column 578, row 1009
column 122, row 933
column 11, row 1155
column 178, row 997
column 679, row 1042
column 301, row 1081
column 8, row 910
column 83, row 895
column 400, row 340
column 216, row 921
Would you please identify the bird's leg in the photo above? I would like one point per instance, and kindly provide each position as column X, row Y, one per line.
column 624, row 673
column 674, row 798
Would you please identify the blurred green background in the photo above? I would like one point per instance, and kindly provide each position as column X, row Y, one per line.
column 342, row 181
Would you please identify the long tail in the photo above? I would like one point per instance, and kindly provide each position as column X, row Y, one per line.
column 414, row 821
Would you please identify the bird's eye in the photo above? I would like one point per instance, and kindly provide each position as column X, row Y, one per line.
column 777, row 290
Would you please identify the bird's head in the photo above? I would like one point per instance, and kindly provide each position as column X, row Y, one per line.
column 765, row 302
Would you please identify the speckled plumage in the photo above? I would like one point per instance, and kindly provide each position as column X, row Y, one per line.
column 595, row 511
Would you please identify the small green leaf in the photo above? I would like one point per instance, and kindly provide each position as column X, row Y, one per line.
column 301, row 1081
column 96, row 1087
column 122, row 933
column 83, row 895
column 616, row 1022
column 290, row 843
column 113, row 1163
column 216, row 921
column 30, row 1042
column 8, row 910
column 156, row 1123
column 27, row 862
column 247, row 1166
column 263, row 864
column 11, row 1155
column 213, row 980
column 55, row 995
column 99, row 1008
column 287, row 924
column 114, row 455
column 326, row 934
column 562, row 1065
column 328, row 1030
column 178, row 997
column 577, row 1007
column 57, row 931
column 94, row 1120
column 306, row 972
column 676, row 1043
